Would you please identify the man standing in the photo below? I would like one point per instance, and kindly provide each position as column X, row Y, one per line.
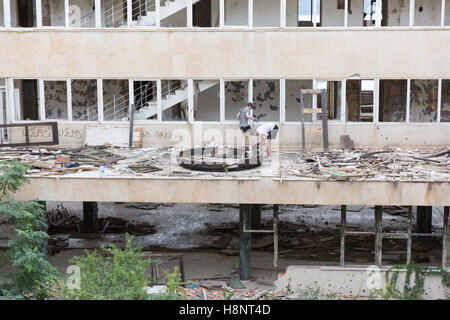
column 243, row 116
column 269, row 132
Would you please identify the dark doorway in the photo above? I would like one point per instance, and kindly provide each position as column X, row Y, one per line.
column 202, row 14
column 30, row 100
column 25, row 10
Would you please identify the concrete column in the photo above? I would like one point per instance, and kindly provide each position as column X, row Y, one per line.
column 90, row 217
column 44, row 247
column 378, row 235
column 423, row 221
column 245, row 238
column 446, row 240
column 343, row 229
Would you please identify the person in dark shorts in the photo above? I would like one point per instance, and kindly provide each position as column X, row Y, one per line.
column 243, row 115
column 269, row 132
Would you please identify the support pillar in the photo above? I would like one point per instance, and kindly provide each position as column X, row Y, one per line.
column 44, row 246
column 343, row 228
column 446, row 240
column 409, row 243
column 90, row 217
column 245, row 248
column 423, row 222
column 378, row 235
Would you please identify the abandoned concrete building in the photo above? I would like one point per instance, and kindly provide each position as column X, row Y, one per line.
column 180, row 70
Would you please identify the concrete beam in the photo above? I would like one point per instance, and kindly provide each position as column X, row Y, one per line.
column 233, row 190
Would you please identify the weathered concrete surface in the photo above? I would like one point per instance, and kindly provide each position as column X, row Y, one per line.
column 297, row 53
column 235, row 190
column 375, row 135
column 350, row 281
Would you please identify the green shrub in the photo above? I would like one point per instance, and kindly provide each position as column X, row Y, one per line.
column 122, row 275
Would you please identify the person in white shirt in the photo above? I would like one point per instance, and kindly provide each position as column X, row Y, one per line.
column 269, row 132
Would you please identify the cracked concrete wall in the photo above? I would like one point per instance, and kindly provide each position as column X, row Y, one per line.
column 353, row 89
column 393, row 100
column 423, row 101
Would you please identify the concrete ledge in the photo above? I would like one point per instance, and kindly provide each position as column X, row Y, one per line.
column 355, row 281
column 234, row 190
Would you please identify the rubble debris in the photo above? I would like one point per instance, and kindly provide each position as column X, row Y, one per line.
column 347, row 143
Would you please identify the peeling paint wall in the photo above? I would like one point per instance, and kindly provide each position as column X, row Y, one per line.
column 82, row 13
column 53, row 13
column 445, row 101
column 293, row 99
column 84, row 100
column 236, row 97
column 266, row 97
column 55, row 93
column 393, row 100
column 353, row 89
column 424, row 100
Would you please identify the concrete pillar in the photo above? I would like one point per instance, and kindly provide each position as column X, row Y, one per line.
column 446, row 240
column 44, row 247
column 245, row 248
column 423, row 221
column 90, row 217
column 378, row 235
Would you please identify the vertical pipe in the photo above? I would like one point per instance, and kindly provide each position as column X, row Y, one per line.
column 275, row 237
column 302, row 119
column 7, row 13
column 314, row 11
column 445, row 240
column 408, row 99
column 412, row 10
column 66, row 13
column 343, row 115
column 250, row 13
column 159, row 99
column 244, row 243
column 346, row 14
column 283, row 13
column 189, row 12
column 222, row 100
column 69, row 98
column 100, row 100
column 323, row 96
column 41, row 99
column 409, row 243
column 98, row 14
column 379, row 13
column 283, row 100
column 439, row 106
column 221, row 13
column 378, row 236
column 39, row 13
column 130, row 96
column 129, row 13
column 443, row 13
column 343, row 229
column 190, row 100
column 376, row 101
column 157, row 13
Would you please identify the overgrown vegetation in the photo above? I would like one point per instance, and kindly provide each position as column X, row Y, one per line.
column 30, row 266
column 410, row 291
column 114, row 274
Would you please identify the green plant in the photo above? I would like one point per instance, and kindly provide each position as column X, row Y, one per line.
column 30, row 266
column 117, row 275
column 226, row 295
column 174, row 282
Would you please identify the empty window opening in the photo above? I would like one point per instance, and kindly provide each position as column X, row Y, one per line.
column 143, row 12
column 293, row 100
column 145, row 100
column 207, row 100
column 445, row 101
column 423, row 100
column 392, row 100
column 173, row 14
column 116, row 100
column 395, row 13
column 174, row 100
column 332, row 13
column 53, row 13
column 206, row 13
column 23, row 13
column 266, row 13
column 334, row 91
column 361, row 13
column 236, row 12
column 306, row 15
column 26, row 97
column 114, row 13
column 427, row 12
column 82, row 13
column 360, row 100
column 2, row 15
column 84, row 100
column 266, row 97
column 55, row 93
column 236, row 97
